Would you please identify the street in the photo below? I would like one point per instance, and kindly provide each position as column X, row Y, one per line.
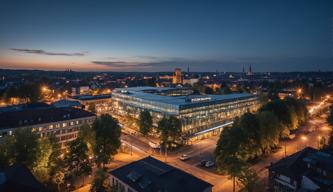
column 307, row 136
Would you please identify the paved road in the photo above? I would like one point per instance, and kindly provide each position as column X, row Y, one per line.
column 204, row 150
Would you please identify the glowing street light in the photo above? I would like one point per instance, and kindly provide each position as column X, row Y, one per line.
column 299, row 91
column 44, row 89
column 304, row 138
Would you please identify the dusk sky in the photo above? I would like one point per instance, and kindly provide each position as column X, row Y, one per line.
column 92, row 35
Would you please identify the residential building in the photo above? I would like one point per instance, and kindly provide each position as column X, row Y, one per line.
column 152, row 175
column 102, row 103
column 308, row 170
column 64, row 123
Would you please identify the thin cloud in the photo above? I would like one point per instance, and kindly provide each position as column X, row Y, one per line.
column 43, row 52
column 115, row 63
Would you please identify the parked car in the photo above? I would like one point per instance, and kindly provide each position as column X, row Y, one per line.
column 203, row 163
column 184, row 157
column 209, row 164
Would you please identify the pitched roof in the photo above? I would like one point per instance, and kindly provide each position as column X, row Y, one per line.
column 293, row 165
column 18, row 178
column 151, row 175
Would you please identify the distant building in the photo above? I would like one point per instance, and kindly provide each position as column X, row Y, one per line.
column 27, row 106
column 190, row 81
column 80, row 90
column 64, row 123
column 67, row 103
column 102, row 103
column 177, row 77
column 152, row 175
column 249, row 72
column 19, row 178
column 308, row 170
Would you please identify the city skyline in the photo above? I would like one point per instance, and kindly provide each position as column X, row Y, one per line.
column 160, row 36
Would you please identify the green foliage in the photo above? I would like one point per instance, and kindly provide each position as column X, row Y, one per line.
column 108, row 134
column 28, row 91
column 41, row 169
column 76, row 160
column 249, row 181
column 87, row 134
column 25, row 147
column 58, row 178
column 100, row 182
column 145, row 122
column 280, row 110
column 270, row 130
column 290, row 112
column 169, row 130
column 7, row 151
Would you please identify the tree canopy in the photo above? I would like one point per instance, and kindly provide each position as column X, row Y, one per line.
column 145, row 122
column 108, row 133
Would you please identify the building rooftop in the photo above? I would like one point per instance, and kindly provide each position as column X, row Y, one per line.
column 21, row 107
column 159, row 94
column 309, row 163
column 66, row 103
column 39, row 116
column 91, row 97
column 151, row 175
column 18, row 178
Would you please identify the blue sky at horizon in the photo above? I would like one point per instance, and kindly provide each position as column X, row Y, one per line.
column 160, row 35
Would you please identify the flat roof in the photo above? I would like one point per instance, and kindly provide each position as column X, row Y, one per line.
column 40, row 116
column 144, row 94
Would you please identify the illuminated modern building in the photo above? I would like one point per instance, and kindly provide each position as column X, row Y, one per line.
column 177, row 77
column 200, row 115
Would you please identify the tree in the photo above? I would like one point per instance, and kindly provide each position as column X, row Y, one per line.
column 228, row 145
column 58, row 179
column 41, row 169
column 249, row 181
column 234, row 169
column 77, row 159
column 270, row 130
column 100, row 182
column 169, row 130
column 25, row 147
column 175, row 128
column 6, row 151
column 87, row 133
column 145, row 122
column 282, row 112
column 108, row 134
column 250, row 142
column 163, row 130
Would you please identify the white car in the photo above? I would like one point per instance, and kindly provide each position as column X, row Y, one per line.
column 209, row 164
column 184, row 157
